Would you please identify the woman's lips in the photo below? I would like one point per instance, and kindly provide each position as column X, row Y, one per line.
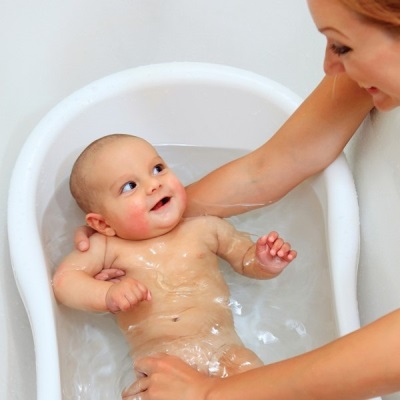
column 372, row 90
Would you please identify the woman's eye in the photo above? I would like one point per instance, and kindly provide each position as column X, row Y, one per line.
column 339, row 50
column 157, row 169
column 128, row 186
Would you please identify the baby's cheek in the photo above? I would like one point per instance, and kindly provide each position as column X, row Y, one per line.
column 137, row 225
column 182, row 194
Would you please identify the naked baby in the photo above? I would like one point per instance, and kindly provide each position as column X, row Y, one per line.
column 172, row 297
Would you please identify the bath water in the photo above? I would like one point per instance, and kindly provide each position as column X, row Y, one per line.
column 277, row 319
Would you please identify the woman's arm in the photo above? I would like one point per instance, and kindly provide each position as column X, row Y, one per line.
column 359, row 366
column 308, row 142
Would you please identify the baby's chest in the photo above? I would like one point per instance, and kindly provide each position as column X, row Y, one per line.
column 177, row 261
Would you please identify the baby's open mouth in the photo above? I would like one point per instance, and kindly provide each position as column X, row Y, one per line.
column 162, row 202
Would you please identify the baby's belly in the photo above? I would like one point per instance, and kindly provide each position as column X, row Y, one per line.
column 191, row 329
column 204, row 337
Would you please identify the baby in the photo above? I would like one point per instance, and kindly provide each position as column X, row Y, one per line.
column 172, row 297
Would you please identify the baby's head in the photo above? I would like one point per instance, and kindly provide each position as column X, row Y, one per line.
column 126, row 189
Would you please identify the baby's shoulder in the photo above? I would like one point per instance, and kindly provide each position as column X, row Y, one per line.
column 112, row 248
column 106, row 244
column 97, row 239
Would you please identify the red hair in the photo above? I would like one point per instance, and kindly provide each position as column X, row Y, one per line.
column 385, row 13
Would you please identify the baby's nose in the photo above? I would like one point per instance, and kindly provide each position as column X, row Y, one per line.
column 152, row 185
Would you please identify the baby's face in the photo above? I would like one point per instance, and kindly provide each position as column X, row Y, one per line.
column 139, row 196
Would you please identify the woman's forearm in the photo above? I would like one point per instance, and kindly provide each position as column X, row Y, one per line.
column 309, row 141
column 358, row 366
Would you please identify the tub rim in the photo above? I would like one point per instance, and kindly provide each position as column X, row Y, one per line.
column 21, row 211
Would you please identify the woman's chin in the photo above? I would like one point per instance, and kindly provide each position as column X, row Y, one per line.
column 384, row 102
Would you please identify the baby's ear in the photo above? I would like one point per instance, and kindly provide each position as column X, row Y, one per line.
column 99, row 224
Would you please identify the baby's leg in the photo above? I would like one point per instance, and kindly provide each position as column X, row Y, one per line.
column 232, row 360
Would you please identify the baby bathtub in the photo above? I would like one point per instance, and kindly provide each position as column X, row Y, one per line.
column 191, row 104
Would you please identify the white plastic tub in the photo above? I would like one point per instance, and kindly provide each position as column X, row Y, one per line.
column 168, row 104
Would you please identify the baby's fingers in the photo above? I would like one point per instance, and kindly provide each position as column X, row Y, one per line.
column 287, row 255
column 271, row 238
column 110, row 274
column 126, row 294
column 280, row 248
column 267, row 241
column 277, row 246
column 134, row 295
column 138, row 293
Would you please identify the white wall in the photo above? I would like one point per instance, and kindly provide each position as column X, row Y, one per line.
column 374, row 158
column 49, row 49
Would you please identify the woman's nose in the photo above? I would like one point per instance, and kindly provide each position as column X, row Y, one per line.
column 332, row 63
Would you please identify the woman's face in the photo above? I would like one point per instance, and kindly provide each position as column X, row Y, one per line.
column 367, row 53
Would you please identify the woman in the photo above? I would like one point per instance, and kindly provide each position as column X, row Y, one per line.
column 363, row 40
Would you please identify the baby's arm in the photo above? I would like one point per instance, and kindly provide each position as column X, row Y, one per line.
column 74, row 284
column 264, row 259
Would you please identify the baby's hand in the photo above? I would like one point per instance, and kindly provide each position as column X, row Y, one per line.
column 124, row 295
column 273, row 253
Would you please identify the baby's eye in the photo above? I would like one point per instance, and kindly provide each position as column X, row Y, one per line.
column 339, row 49
column 158, row 168
column 128, row 186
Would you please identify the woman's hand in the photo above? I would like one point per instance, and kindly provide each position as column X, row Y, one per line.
column 154, row 380
column 110, row 274
column 81, row 238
